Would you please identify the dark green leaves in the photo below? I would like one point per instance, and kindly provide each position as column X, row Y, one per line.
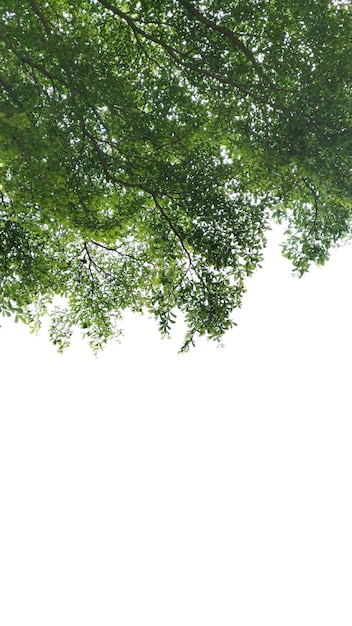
column 146, row 147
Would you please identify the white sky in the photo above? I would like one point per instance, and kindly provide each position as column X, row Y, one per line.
column 212, row 488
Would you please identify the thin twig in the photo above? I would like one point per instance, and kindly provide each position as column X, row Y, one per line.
column 173, row 228
column 316, row 202
column 90, row 261
column 111, row 249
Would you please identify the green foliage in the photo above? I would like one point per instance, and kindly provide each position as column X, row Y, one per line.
column 146, row 147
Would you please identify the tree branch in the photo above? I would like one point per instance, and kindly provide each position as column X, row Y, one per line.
column 316, row 202
column 177, row 56
column 111, row 249
column 173, row 228
column 41, row 16
column 32, row 64
column 102, row 160
column 90, row 261
column 224, row 31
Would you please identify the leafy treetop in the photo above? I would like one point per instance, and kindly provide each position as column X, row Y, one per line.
column 146, row 147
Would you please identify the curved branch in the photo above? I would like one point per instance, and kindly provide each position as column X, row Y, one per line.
column 33, row 64
column 238, row 43
column 41, row 16
column 102, row 160
column 173, row 228
column 111, row 249
column 178, row 56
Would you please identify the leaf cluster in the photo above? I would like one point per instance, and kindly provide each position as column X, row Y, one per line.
column 146, row 148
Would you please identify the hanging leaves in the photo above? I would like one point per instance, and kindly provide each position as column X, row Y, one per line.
column 145, row 148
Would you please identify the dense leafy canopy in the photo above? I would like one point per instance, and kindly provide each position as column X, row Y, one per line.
column 146, row 147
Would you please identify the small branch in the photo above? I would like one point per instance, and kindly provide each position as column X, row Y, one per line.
column 41, row 16
column 110, row 249
column 191, row 265
column 100, row 269
column 316, row 202
column 224, row 31
column 136, row 29
column 174, row 229
column 33, row 64
column 102, row 160
column 39, row 87
column 99, row 152
column 5, row 202
column 178, row 56
column 90, row 261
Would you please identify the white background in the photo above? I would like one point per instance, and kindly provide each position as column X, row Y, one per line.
column 212, row 488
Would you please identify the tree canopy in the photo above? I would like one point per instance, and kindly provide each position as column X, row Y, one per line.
column 147, row 146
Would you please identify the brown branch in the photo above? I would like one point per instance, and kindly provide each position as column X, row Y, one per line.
column 173, row 228
column 99, row 152
column 90, row 261
column 33, row 64
column 316, row 202
column 102, row 160
column 136, row 29
column 100, row 269
column 191, row 265
column 41, row 16
column 236, row 41
column 5, row 201
column 177, row 55
column 39, row 87
column 110, row 249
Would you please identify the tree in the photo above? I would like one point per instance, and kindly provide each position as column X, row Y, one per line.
column 147, row 146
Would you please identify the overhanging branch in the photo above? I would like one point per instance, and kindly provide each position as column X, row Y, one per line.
column 316, row 203
column 41, row 16
column 223, row 30
column 180, row 58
